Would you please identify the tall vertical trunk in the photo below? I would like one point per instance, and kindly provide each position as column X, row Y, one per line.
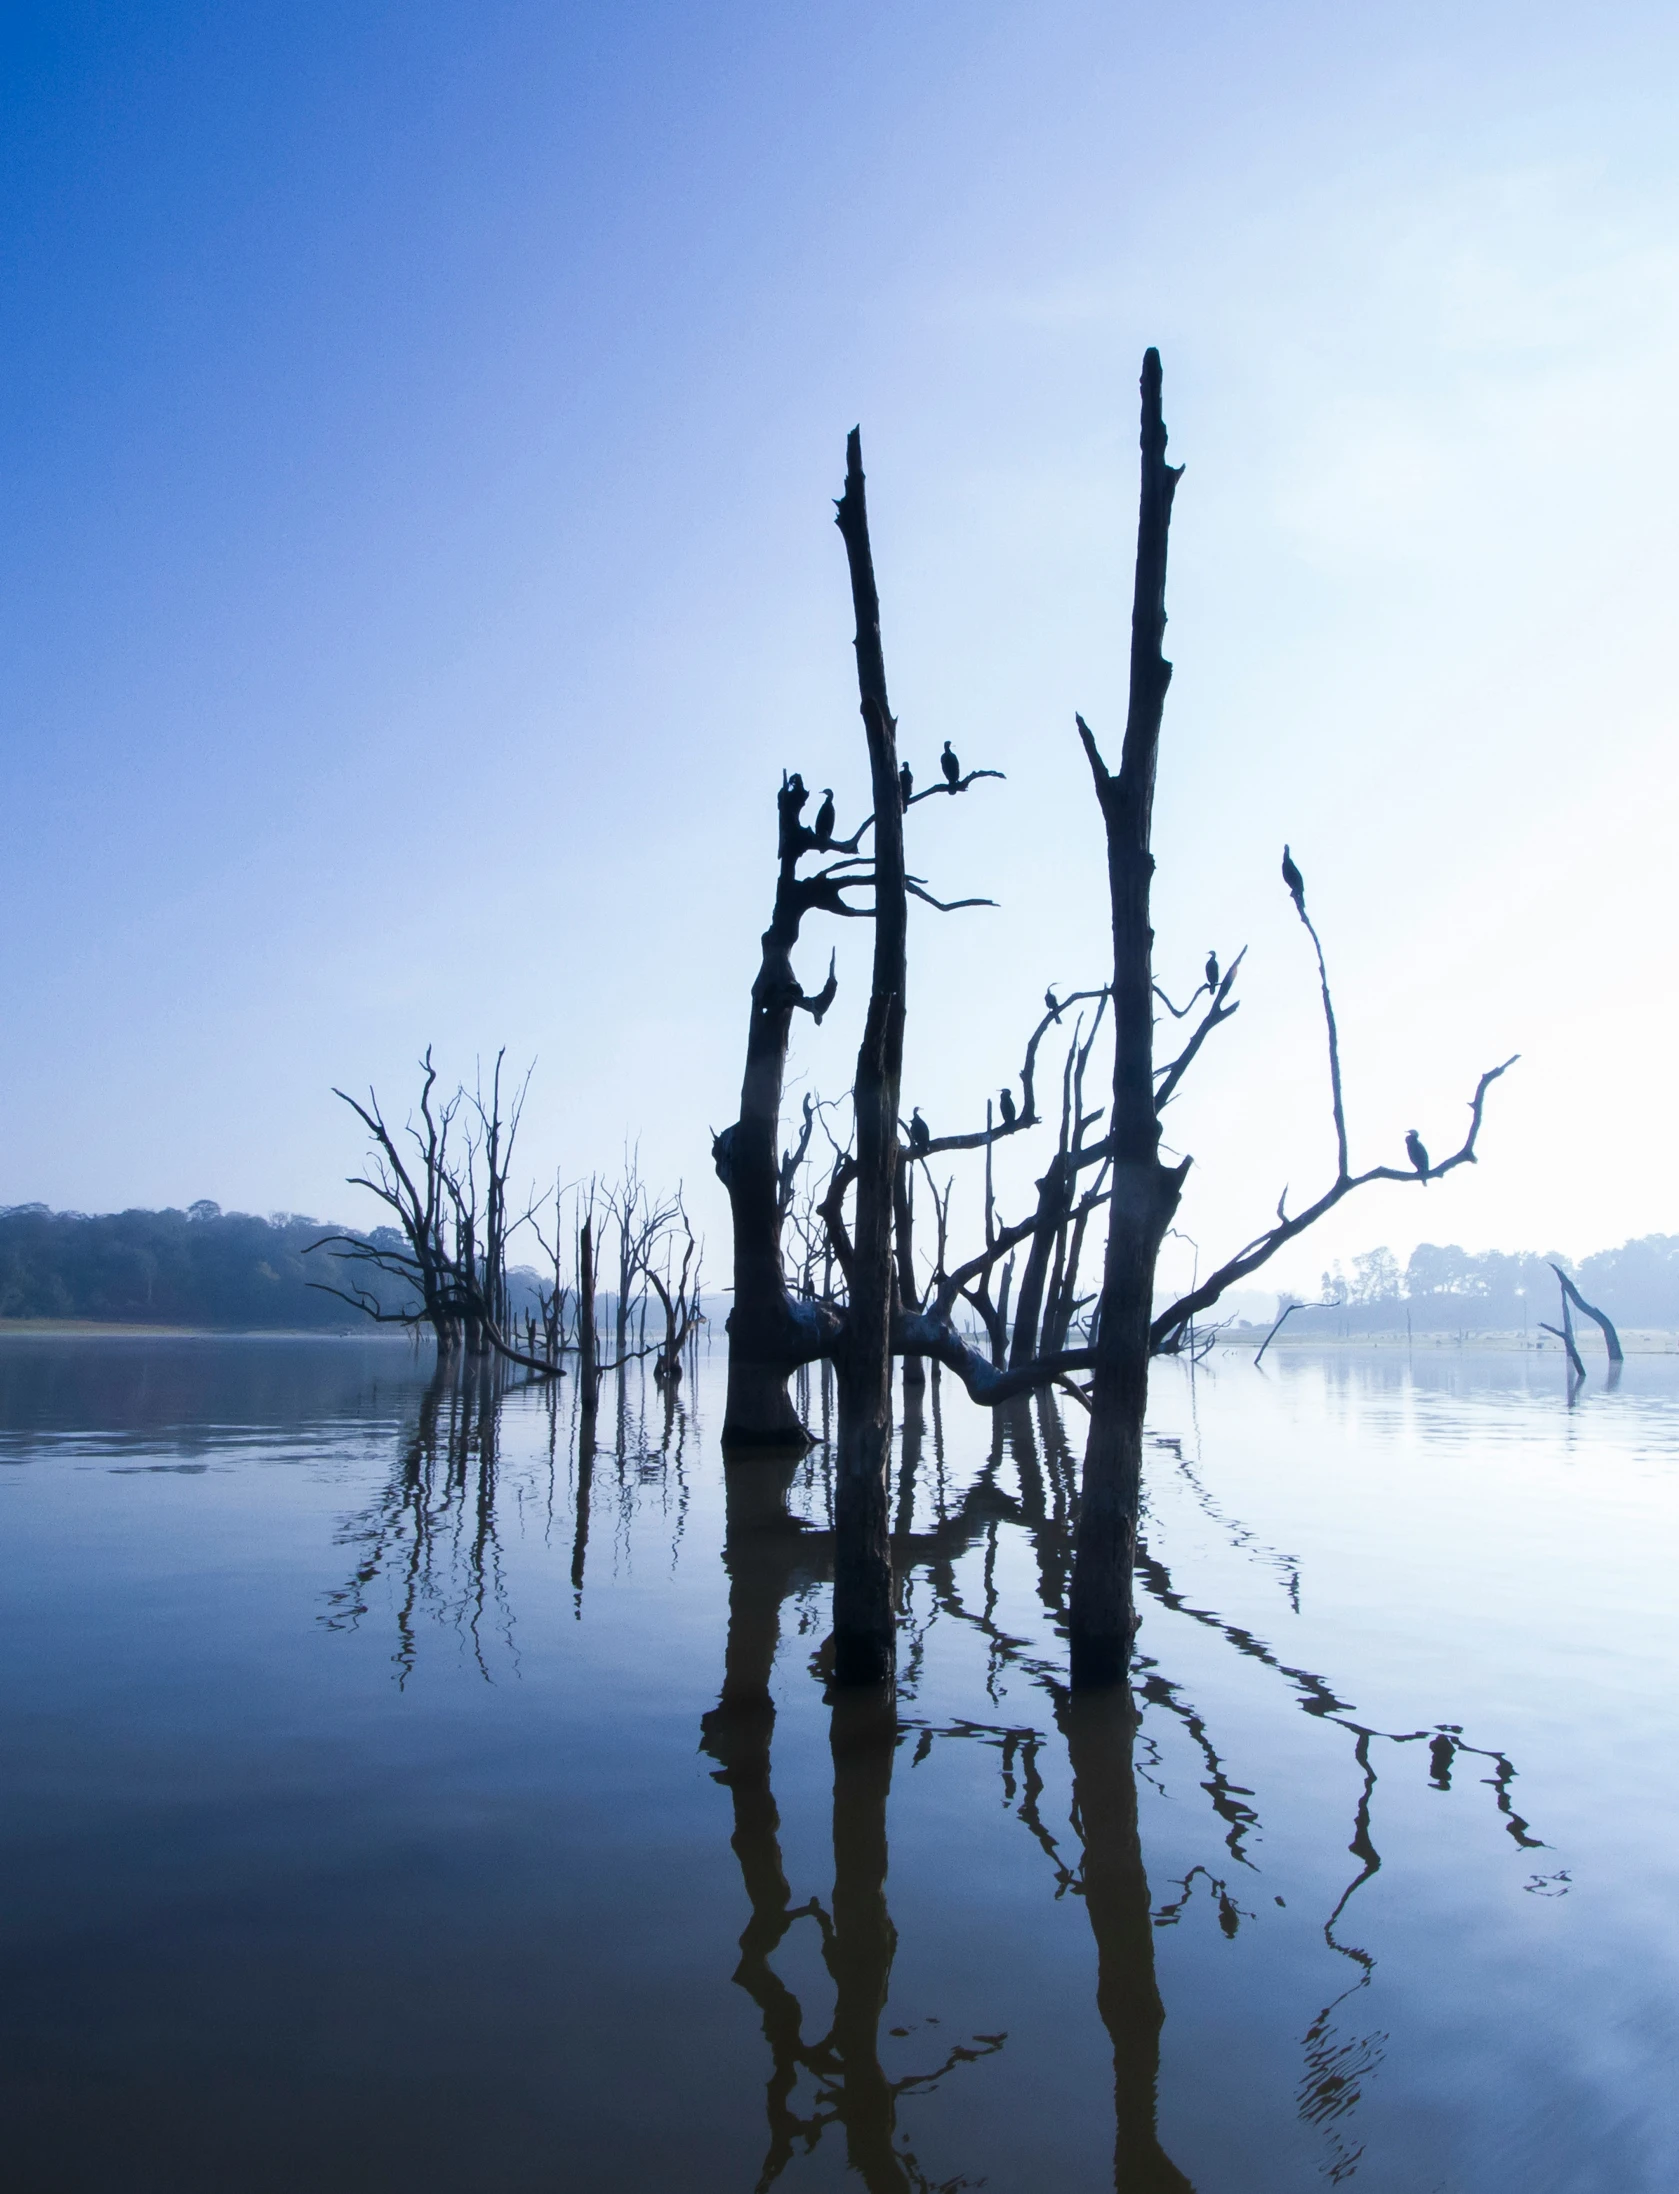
column 588, row 1359
column 1145, row 1193
column 863, row 1628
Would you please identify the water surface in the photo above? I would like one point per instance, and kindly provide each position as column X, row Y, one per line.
column 396, row 1798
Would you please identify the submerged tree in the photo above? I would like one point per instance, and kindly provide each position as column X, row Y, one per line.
column 866, row 1208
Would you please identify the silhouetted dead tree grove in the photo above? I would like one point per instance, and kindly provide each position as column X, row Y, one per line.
column 1106, row 1159
column 444, row 1180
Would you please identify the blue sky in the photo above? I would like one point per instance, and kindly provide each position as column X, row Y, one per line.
column 418, row 432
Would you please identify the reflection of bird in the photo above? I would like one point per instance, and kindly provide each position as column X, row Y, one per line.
column 951, row 766
column 1005, row 1104
column 1212, row 971
column 919, row 1133
column 1416, row 1153
column 1050, row 1001
column 1295, row 881
column 825, row 818
column 906, row 784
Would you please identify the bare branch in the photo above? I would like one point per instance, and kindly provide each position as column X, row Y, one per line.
column 1265, row 1246
column 945, row 906
column 1027, row 1116
column 1216, row 1011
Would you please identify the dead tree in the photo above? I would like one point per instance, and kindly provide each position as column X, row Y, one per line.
column 1571, row 1294
column 865, row 1209
column 588, row 1346
column 772, row 1329
column 449, row 1197
column 1145, row 1190
column 863, row 1626
column 679, row 1297
column 641, row 1224
column 551, row 1299
column 414, row 1190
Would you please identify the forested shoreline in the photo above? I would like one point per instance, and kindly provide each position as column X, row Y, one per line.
column 199, row 1267
column 1445, row 1289
column 240, row 1271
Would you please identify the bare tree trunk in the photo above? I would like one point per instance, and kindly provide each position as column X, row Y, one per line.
column 1145, row 1192
column 768, row 1336
column 864, row 1643
column 588, row 1357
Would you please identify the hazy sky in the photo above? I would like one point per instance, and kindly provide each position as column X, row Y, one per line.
column 419, row 430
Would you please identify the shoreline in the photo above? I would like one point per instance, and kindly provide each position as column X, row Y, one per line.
column 1645, row 1341
column 93, row 1329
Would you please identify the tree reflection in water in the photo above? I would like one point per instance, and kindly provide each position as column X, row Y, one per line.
column 771, row 1558
column 435, row 1530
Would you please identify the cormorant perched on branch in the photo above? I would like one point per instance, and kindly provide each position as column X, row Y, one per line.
column 1212, row 971
column 906, row 784
column 920, row 1135
column 1416, row 1153
column 1052, row 1002
column 825, row 818
column 1005, row 1105
column 951, row 766
column 1295, row 881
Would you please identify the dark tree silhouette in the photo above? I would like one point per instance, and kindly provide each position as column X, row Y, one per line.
column 868, row 1209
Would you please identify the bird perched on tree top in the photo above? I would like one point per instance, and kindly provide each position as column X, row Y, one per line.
column 1416, row 1153
column 1052, row 1001
column 1212, row 971
column 1005, row 1105
column 825, row 818
column 906, row 784
column 919, row 1133
column 1295, row 881
column 951, row 766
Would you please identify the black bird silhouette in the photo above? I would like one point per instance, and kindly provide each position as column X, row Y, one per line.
column 796, row 790
column 1416, row 1153
column 906, row 784
column 919, row 1133
column 1005, row 1104
column 1295, row 881
column 1051, row 1002
column 825, row 818
column 951, row 766
column 1212, row 971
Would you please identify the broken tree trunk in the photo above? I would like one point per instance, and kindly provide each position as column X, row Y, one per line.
column 588, row 1352
column 1571, row 1294
column 1145, row 1192
column 771, row 1333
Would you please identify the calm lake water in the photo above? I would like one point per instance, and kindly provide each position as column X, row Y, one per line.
column 392, row 1800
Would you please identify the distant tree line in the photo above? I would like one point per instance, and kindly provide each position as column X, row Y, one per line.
column 199, row 1267
column 1447, row 1289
